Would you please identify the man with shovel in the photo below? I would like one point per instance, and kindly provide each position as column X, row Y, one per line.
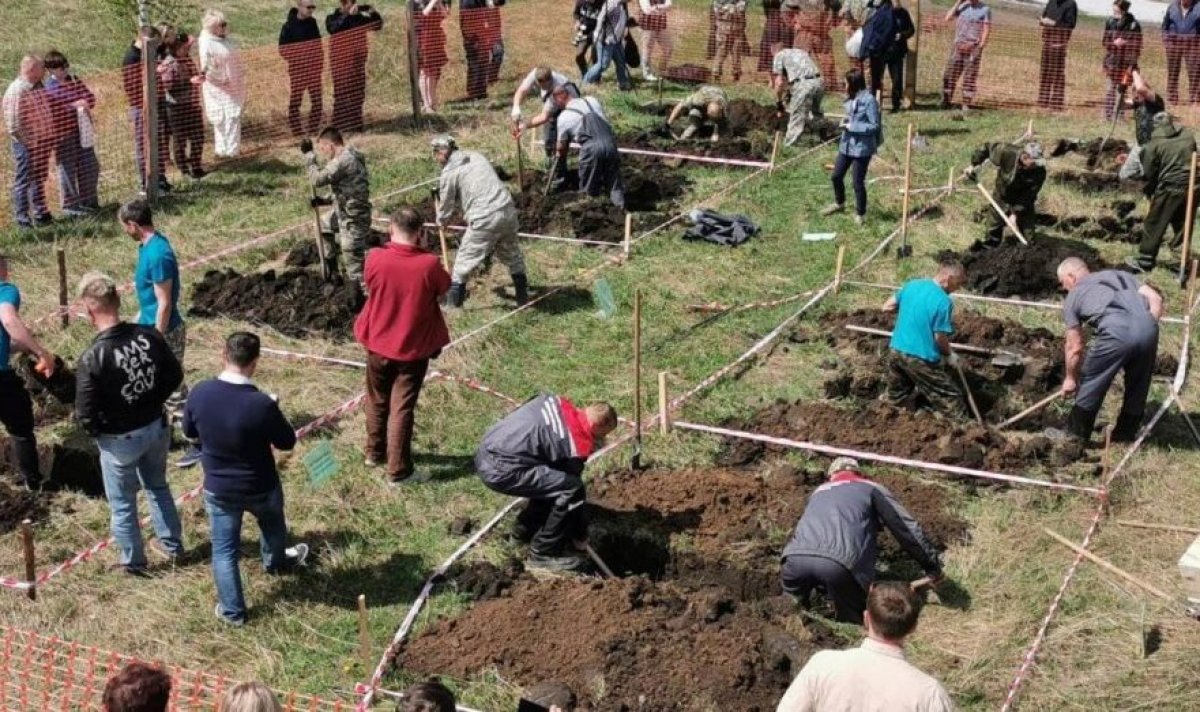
column 1020, row 174
column 1124, row 315
column 546, row 81
column 582, row 121
column 1166, row 167
column 538, row 451
column 345, row 172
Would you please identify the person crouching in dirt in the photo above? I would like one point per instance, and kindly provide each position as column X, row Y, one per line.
column 1124, row 315
column 833, row 546
column 707, row 107
column 583, row 122
column 1166, row 166
column 345, row 172
column 798, row 82
column 469, row 182
column 538, row 451
column 1020, row 175
column 545, row 80
column 920, row 360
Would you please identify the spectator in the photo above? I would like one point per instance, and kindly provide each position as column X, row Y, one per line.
column 402, row 328
column 495, row 40
column 138, row 687
column 862, row 131
column 611, row 26
column 30, row 123
column 237, row 425
column 71, row 103
column 348, row 47
column 431, row 57
column 812, row 31
column 132, row 83
column 971, row 30
column 1058, row 21
column 1122, row 48
column 731, row 18
column 583, row 121
column 655, row 36
column 16, row 409
column 251, row 696
column 1181, row 39
column 893, row 50
column 122, row 382
column 776, row 33
column 224, row 84
column 302, row 52
column 473, row 23
column 182, row 99
column 586, row 14
column 429, row 696
column 874, row 675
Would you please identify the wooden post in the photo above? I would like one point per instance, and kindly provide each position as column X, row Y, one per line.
column 950, row 181
column 660, row 93
column 1104, row 564
column 910, row 61
column 1161, row 527
column 775, row 152
column 149, row 135
column 637, row 379
column 1105, row 462
column 628, row 235
column 62, row 285
column 364, row 635
column 837, row 270
column 30, row 562
column 664, row 409
column 520, row 164
column 907, row 188
column 1190, row 217
column 413, row 75
column 1191, row 294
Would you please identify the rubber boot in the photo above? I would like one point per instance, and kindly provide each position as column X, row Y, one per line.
column 1126, row 428
column 1080, row 423
column 457, row 295
column 521, row 287
column 24, row 450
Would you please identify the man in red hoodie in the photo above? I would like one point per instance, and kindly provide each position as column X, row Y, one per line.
column 402, row 328
column 538, row 451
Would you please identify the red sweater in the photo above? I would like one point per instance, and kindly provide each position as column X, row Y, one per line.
column 401, row 319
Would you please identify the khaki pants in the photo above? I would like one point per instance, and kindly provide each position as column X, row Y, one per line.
column 728, row 37
column 495, row 232
column 177, row 340
column 806, row 101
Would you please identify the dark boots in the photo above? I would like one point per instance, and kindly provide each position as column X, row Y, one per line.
column 1126, row 428
column 521, row 287
column 24, row 450
column 457, row 295
column 1080, row 423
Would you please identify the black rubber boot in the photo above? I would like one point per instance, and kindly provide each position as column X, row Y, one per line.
column 521, row 287
column 1126, row 428
column 24, row 450
column 457, row 295
column 1080, row 423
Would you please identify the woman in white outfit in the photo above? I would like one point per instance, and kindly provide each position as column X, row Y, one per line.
column 654, row 34
column 224, row 84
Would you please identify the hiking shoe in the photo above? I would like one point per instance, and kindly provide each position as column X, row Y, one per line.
column 296, row 555
column 1135, row 265
column 833, row 208
column 860, row 219
column 563, row 563
column 189, row 458
column 226, row 619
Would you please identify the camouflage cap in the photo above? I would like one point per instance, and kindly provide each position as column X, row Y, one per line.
column 443, row 142
column 1033, row 149
column 842, row 464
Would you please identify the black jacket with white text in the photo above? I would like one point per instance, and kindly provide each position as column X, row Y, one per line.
column 123, row 379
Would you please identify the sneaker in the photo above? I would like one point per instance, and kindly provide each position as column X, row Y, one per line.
column 563, row 563
column 296, row 555
column 833, row 208
column 190, row 458
column 650, row 76
column 225, row 619
column 415, row 478
column 1135, row 265
column 860, row 219
column 372, row 462
column 127, row 570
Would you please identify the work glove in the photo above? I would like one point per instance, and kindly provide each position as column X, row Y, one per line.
column 971, row 173
column 306, row 146
column 317, row 201
column 953, row 360
column 516, row 114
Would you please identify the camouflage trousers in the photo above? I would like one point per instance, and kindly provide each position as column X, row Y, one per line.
column 806, row 101
column 933, row 381
column 349, row 246
column 177, row 340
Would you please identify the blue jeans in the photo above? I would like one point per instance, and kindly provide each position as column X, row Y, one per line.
column 606, row 54
column 133, row 461
column 78, row 174
column 225, row 520
column 840, row 166
column 139, row 148
column 28, row 191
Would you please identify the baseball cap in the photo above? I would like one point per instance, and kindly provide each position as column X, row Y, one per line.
column 442, row 142
column 842, row 464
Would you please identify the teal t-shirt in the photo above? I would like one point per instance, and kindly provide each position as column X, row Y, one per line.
column 156, row 263
column 924, row 310
column 8, row 295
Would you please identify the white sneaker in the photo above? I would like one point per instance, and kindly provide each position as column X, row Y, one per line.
column 297, row 554
column 649, row 76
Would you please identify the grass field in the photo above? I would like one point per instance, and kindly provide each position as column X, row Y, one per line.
column 371, row 540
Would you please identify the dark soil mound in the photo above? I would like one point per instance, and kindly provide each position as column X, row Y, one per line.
column 304, row 254
column 1090, row 181
column 296, row 302
column 483, row 579
column 64, row 466
column 1016, row 270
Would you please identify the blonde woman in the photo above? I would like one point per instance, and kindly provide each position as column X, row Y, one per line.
column 250, row 697
column 224, row 83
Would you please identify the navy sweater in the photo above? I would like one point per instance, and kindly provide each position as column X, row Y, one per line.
column 237, row 425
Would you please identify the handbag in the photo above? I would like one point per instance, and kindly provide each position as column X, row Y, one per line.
column 633, row 56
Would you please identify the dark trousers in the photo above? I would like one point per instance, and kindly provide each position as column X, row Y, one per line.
column 1025, row 219
column 966, row 66
column 1106, row 357
column 840, row 166
column 391, row 407
column 556, row 512
column 1052, row 81
column 16, row 413
column 909, row 375
column 801, row 575
column 349, row 92
column 585, row 57
column 301, row 81
column 78, row 174
column 1183, row 53
column 600, row 172
column 136, row 118
column 895, row 70
column 1167, row 209
column 187, row 136
column 479, row 59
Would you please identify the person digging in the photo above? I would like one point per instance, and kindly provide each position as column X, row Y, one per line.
column 469, row 182
column 345, row 172
column 583, row 121
column 920, row 360
column 538, row 451
column 545, row 80
column 1020, row 175
column 706, row 108
column 834, row 545
column 1123, row 315
column 1166, row 167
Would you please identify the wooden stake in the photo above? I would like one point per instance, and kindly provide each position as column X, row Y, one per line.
column 149, row 136
column 1104, row 564
column 364, row 635
column 599, row 562
column 30, row 562
column 1031, row 409
column 664, row 411
column 970, row 396
column 520, row 164
column 1105, row 461
column 628, row 235
column 637, row 379
column 437, row 208
column 1191, row 295
column 1186, row 253
column 1003, row 215
column 1161, row 527
column 660, row 92
column 62, row 286
column 950, row 181
column 907, row 187
column 837, row 270
column 775, row 152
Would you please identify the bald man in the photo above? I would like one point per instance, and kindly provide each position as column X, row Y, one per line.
column 30, row 127
column 1124, row 315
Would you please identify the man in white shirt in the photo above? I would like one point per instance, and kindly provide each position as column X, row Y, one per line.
column 873, row 677
column 546, row 80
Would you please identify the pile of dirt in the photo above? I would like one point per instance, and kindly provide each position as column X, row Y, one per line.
column 1017, row 270
column 53, row 398
column 71, row 466
column 1120, row 226
column 295, row 302
column 1089, row 181
column 483, row 580
column 18, row 504
column 1113, row 148
column 304, row 254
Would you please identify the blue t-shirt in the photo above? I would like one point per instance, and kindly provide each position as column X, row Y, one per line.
column 156, row 263
column 924, row 309
column 8, row 295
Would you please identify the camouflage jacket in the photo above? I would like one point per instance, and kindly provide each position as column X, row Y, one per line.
column 347, row 177
column 795, row 64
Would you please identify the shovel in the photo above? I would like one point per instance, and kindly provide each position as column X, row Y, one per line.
column 1031, row 409
column 962, row 377
column 1095, row 158
column 320, row 239
column 1000, row 358
column 550, row 176
column 437, row 203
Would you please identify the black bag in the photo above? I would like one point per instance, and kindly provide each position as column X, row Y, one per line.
column 633, row 56
column 724, row 230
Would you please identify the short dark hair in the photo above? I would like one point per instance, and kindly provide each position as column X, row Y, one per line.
column 138, row 687
column 894, row 609
column 428, row 696
column 408, row 219
column 55, row 60
column 331, row 134
column 855, row 82
column 242, row 348
column 138, row 212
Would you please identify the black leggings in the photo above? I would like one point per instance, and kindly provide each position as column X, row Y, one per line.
column 860, row 181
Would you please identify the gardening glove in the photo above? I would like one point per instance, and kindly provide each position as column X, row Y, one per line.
column 317, row 201
column 306, row 146
column 953, row 360
column 971, row 173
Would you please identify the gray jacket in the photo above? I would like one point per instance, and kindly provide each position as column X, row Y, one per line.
column 469, row 181
column 535, row 435
column 841, row 522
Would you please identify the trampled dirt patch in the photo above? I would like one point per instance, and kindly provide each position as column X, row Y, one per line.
column 1027, row 271
column 296, row 302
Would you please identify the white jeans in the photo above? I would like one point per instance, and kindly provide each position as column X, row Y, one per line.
column 226, row 120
